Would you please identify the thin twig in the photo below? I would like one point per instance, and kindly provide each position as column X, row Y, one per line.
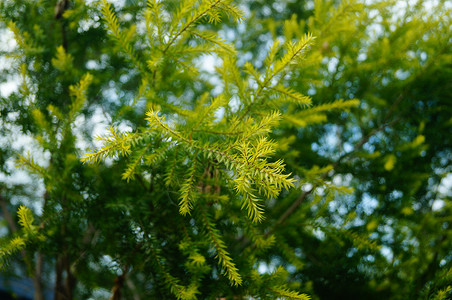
column 357, row 146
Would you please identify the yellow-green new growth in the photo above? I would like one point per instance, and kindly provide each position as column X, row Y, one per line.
column 13, row 246
column 294, row 54
column 286, row 293
column 26, row 218
column 63, row 61
column 78, row 92
column 210, row 9
column 114, row 144
column 29, row 232
column 317, row 114
column 29, row 163
column 253, row 174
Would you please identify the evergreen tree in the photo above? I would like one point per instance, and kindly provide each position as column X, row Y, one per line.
column 254, row 149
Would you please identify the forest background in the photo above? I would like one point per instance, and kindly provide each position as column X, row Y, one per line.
column 219, row 149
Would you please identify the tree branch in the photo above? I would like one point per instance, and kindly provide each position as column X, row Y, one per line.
column 357, row 146
column 119, row 283
column 7, row 215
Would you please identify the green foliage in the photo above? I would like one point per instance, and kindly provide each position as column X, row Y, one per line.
column 223, row 256
column 114, row 144
column 63, row 61
column 253, row 149
column 79, row 91
column 25, row 219
column 28, row 234
column 10, row 248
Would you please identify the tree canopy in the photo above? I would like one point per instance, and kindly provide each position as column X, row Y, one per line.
column 219, row 149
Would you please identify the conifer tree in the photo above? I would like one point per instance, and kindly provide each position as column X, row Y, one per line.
column 252, row 149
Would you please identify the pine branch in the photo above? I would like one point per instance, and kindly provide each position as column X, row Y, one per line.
column 14, row 245
column 171, row 174
column 289, row 94
column 360, row 242
column 18, row 243
column 178, row 290
column 197, row 15
column 29, row 163
column 305, row 194
column 114, row 144
column 187, row 190
column 207, row 8
column 136, row 160
column 264, row 126
column 294, row 52
column 212, row 38
column 260, row 241
column 26, row 218
column 204, row 115
column 249, row 201
column 231, row 73
column 63, row 61
column 250, row 167
column 309, row 119
column 78, row 91
column 338, row 104
column 41, row 121
column 285, row 293
column 24, row 41
column 121, row 38
column 222, row 255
